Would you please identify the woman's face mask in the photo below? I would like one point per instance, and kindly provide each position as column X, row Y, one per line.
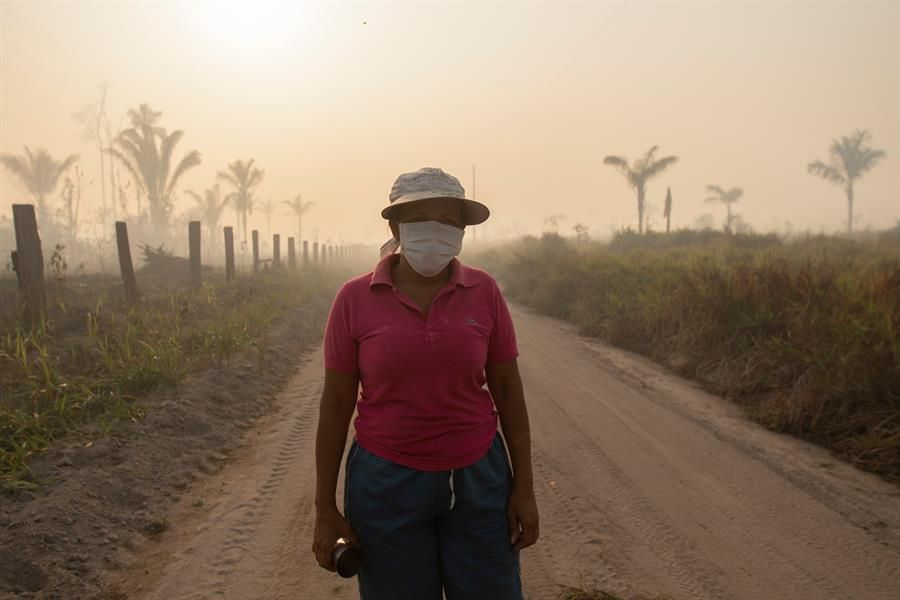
column 429, row 246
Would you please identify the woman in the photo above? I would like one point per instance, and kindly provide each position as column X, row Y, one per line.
column 429, row 494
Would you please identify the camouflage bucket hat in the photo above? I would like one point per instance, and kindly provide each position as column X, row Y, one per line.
column 431, row 182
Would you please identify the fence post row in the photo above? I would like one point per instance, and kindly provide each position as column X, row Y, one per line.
column 194, row 247
column 126, row 267
column 28, row 262
column 229, row 254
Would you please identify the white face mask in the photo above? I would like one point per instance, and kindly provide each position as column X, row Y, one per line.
column 429, row 246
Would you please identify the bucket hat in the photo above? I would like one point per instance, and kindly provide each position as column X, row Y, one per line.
column 431, row 182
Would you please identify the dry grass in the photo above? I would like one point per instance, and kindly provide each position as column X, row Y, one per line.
column 805, row 334
column 95, row 355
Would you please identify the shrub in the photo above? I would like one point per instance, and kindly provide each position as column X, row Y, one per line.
column 804, row 334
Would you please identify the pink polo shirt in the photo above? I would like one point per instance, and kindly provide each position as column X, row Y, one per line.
column 423, row 403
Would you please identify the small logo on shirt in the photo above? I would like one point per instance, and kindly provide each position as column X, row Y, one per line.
column 472, row 322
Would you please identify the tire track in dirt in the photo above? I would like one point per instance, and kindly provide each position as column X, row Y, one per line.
column 253, row 539
column 692, row 507
column 578, row 462
column 645, row 485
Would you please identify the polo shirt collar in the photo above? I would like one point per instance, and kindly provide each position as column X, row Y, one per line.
column 459, row 274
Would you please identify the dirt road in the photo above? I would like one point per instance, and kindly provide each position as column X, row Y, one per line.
column 645, row 485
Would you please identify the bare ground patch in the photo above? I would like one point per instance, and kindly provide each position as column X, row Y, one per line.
column 101, row 500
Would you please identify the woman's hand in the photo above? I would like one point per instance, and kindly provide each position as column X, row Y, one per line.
column 522, row 514
column 330, row 525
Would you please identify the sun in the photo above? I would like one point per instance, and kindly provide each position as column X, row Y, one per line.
column 250, row 29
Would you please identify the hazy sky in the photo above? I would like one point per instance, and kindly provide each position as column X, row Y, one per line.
column 334, row 101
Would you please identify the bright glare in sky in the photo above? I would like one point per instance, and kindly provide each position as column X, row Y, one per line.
column 249, row 29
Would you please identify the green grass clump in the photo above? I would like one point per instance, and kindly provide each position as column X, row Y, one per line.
column 94, row 356
column 804, row 334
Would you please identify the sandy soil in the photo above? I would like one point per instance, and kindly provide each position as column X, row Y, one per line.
column 646, row 485
column 102, row 501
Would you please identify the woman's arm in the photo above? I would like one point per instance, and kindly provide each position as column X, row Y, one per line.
column 505, row 385
column 335, row 411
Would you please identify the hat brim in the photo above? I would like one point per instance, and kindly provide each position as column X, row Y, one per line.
column 476, row 212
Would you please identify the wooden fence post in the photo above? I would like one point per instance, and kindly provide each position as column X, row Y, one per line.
column 194, row 247
column 28, row 261
column 305, row 253
column 276, row 251
column 292, row 254
column 229, row 254
column 255, row 251
column 125, row 264
column 315, row 253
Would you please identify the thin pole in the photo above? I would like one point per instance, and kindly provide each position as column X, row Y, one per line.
column 475, row 196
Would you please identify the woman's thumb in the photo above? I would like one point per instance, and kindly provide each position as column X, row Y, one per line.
column 513, row 527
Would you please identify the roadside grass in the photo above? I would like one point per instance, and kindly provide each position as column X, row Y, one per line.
column 82, row 370
column 804, row 334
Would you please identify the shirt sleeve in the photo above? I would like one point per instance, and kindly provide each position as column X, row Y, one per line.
column 341, row 346
column 502, row 343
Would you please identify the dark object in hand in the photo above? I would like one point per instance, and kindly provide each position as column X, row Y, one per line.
column 348, row 558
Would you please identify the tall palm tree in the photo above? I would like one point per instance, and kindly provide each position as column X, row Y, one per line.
column 726, row 197
column 243, row 177
column 850, row 160
column 211, row 207
column 145, row 118
column 299, row 208
column 268, row 207
column 667, row 212
column 39, row 174
column 639, row 172
column 150, row 163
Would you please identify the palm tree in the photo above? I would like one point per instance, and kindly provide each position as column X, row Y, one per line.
column 299, row 208
column 667, row 212
column 641, row 171
column 850, row 160
column 211, row 207
column 145, row 118
column 726, row 197
column 150, row 164
column 39, row 174
column 268, row 207
column 243, row 177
